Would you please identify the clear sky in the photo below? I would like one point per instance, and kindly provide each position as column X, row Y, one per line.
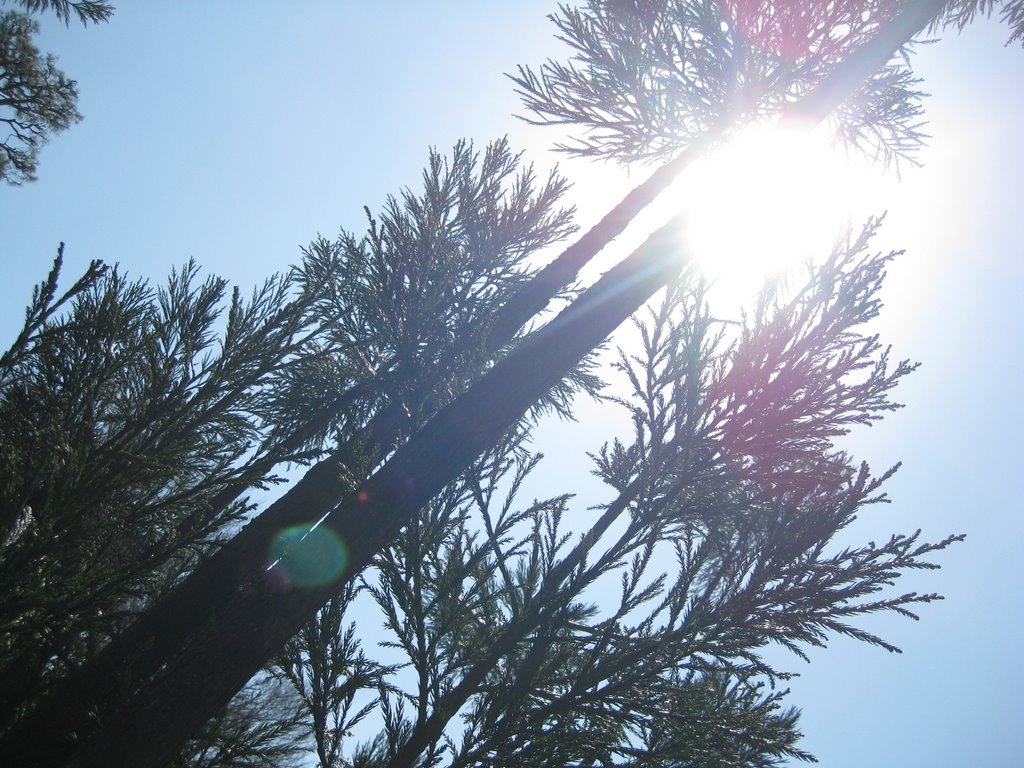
column 235, row 136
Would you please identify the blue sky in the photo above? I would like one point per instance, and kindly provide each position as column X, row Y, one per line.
column 237, row 136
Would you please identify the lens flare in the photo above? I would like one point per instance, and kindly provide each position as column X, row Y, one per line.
column 771, row 198
column 307, row 556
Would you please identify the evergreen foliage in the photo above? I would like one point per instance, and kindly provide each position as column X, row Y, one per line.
column 392, row 324
column 1011, row 13
column 717, row 532
column 85, row 11
column 36, row 98
column 124, row 412
column 647, row 78
column 135, row 423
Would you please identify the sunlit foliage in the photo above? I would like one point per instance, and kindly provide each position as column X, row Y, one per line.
column 136, row 423
column 716, row 534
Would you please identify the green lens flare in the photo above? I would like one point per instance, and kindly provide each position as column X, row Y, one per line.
column 305, row 556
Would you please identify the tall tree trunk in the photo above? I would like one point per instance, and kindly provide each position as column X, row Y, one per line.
column 263, row 613
column 230, row 616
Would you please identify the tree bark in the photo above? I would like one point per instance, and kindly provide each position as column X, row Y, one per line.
column 223, row 623
column 263, row 613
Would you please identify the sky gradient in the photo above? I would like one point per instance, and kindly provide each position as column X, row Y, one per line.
column 235, row 137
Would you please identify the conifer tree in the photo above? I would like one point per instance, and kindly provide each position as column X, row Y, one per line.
column 733, row 468
column 399, row 313
column 123, row 414
column 36, row 98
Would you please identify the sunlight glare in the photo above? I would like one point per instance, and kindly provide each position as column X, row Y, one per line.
column 770, row 199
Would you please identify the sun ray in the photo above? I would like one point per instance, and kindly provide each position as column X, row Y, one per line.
column 771, row 198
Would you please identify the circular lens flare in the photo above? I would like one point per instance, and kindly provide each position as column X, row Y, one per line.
column 307, row 556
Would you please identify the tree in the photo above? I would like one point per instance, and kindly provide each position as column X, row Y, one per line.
column 507, row 601
column 85, row 11
column 770, row 476
column 176, row 420
column 499, row 619
column 37, row 99
column 122, row 422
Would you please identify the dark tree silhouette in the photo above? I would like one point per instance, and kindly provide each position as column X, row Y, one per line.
column 423, row 387
column 37, row 99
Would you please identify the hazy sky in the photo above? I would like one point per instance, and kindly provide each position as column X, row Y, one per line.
column 237, row 136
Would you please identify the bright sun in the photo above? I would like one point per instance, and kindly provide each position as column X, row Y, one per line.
column 770, row 199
